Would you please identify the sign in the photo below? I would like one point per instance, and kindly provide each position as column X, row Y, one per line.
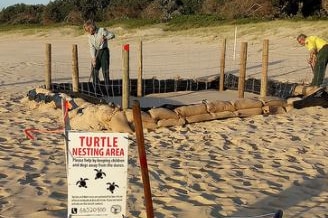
column 97, row 174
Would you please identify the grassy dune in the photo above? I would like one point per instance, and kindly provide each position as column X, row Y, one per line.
column 278, row 28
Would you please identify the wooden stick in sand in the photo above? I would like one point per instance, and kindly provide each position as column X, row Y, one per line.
column 142, row 158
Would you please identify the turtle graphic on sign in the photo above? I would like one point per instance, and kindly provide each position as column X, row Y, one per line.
column 82, row 183
column 112, row 186
column 99, row 174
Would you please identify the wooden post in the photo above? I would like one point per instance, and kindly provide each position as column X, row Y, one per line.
column 235, row 44
column 265, row 63
column 140, row 71
column 75, row 69
column 125, row 79
column 48, row 67
column 242, row 71
column 142, row 158
column 222, row 65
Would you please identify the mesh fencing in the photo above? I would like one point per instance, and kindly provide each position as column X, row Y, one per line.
column 190, row 67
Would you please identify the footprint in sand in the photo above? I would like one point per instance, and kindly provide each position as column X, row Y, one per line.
column 2, row 175
column 2, row 140
column 29, row 178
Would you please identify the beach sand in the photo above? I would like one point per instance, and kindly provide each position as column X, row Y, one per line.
column 236, row 167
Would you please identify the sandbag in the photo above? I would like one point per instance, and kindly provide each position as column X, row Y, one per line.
column 149, row 125
column 43, row 91
column 171, row 122
column 119, row 123
column 80, row 123
column 162, row 113
column 145, row 125
column 248, row 112
column 104, row 113
column 85, row 119
column 219, row 106
column 199, row 118
column 147, row 121
column 129, row 115
column 246, row 103
column 299, row 90
column 145, row 117
column 272, row 101
column 191, row 110
column 267, row 109
column 82, row 110
column 89, row 109
column 290, row 103
column 223, row 115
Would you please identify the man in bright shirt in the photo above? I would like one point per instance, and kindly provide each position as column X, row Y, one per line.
column 99, row 51
column 318, row 59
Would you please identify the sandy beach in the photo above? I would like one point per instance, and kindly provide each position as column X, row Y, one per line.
column 236, row 167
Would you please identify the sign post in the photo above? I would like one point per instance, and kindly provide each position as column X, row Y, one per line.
column 97, row 174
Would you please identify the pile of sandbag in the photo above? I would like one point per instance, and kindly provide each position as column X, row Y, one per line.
column 106, row 117
column 164, row 117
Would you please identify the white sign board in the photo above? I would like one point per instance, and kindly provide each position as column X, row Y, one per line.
column 97, row 174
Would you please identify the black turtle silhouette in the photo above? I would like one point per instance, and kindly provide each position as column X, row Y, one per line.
column 99, row 174
column 82, row 182
column 111, row 187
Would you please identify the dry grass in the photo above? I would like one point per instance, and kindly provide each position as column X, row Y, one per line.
column 279, row 29
column 259, row 30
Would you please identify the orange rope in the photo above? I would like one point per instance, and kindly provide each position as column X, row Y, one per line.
column 28, row 132
column 31, row 130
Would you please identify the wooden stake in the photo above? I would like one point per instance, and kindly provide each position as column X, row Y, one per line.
column 48, row 67
column 142, row 158
column 125, row 79
column 265, row 63
column 235, row 44
column 139, row 89
column 222, row 65
column 242, row 72
column 75, row 69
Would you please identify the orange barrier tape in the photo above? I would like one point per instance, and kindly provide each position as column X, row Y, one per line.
column 28, row 132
